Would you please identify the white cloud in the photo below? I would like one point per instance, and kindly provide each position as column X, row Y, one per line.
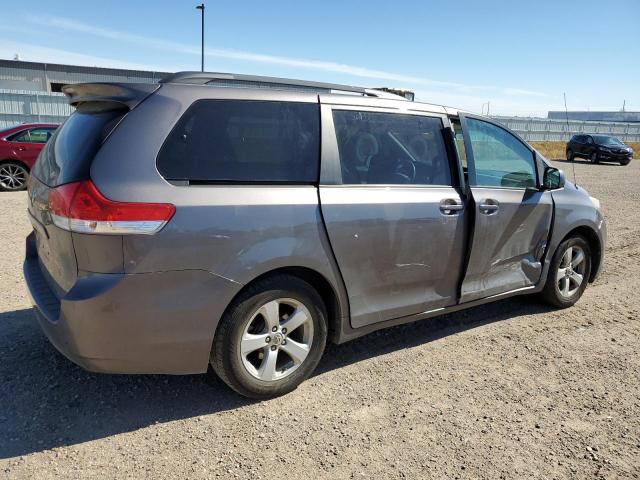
column 504, row 100
column 38, row 53
column 523, row 93
column 164, row 45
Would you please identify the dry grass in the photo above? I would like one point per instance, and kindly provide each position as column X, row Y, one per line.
column 556, row 150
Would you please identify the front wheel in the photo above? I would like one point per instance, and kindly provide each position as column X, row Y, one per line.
column 271, row 338
column 593, row 158
column 625, row 161
column 569, row 273
column 570, row 155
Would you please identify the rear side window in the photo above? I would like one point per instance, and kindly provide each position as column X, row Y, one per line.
column 390, row 148
column 68, row 155
column 226, row 141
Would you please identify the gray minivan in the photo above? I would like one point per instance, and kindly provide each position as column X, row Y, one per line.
column 242, row 222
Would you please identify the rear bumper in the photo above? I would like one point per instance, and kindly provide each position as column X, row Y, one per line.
column 132, row 323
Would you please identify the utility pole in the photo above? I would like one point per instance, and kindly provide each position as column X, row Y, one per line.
column 201, row 8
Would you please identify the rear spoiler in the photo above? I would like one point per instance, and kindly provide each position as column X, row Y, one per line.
column 129, row 94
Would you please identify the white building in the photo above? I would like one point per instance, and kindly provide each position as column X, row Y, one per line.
column 31, row 91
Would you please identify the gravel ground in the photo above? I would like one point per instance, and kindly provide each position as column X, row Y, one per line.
column 509, row 390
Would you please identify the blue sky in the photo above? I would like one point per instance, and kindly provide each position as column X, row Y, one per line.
column 519, row 55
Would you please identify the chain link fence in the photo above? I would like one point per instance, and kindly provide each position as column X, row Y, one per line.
column 550, row 130
column 24, row 106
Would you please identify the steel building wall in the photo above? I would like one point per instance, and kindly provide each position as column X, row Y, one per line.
column 41, row 75
column 21, row 106
column 34, row 101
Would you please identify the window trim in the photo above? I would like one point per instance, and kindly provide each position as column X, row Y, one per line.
column 330, row 167
column 471, row 163
column 10, row 138
column 257, row 183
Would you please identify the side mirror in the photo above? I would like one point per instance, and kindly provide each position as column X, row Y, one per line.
column 553, row 179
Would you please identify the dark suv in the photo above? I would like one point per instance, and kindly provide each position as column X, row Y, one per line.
column 598, row 147
column 242, row 222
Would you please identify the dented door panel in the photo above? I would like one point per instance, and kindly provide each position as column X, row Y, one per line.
column 508, row 243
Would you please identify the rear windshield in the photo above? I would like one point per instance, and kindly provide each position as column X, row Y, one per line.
column 233, row 141
column 67, row 156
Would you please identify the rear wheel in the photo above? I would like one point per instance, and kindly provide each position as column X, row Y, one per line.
column 13, row 176
column 569, row 273
column 570, row 155
column 271, row 338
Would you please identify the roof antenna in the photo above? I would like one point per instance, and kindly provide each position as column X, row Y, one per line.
column 566, row 116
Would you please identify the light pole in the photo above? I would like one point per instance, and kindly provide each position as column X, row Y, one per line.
column 201, row 8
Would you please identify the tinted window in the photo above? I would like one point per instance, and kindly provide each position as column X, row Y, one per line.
column 67, row 156
column 244, row 141
column 500, row 159
column 389, row 148
column 607, row 140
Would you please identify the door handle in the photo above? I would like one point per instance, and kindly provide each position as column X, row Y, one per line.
column 449, row 206
column 21, row 148
column 489, row 207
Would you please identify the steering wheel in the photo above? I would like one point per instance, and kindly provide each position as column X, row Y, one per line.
column 405, row 168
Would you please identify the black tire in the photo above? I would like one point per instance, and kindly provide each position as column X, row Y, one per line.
column 570, row 156
column 593, row 158
column 226, row 358
column 624, row 162
column 13, row 176
column 551, row 293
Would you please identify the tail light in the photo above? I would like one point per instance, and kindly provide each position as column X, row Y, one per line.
column 79, row 207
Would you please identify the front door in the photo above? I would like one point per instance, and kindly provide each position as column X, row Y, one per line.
column 512, row 216
column 395, row 222
column 27, row 145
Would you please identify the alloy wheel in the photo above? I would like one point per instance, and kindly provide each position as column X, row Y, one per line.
column 13, row 176
column 277, row 339
column 570, row 274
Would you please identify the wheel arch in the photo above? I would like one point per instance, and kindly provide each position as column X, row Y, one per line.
column 595, row 247
column 335, row 311
column 15, row 160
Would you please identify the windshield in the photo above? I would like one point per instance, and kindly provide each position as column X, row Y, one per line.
column 606, row 140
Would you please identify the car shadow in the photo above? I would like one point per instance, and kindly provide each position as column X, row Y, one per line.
column 425, row 331
column 46, row 401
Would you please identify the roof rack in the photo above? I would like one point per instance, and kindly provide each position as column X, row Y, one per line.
column 257, row 81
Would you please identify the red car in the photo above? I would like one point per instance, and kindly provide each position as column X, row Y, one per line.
column 19, row 148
